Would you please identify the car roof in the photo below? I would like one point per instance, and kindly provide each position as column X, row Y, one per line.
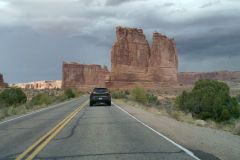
column 100, row 88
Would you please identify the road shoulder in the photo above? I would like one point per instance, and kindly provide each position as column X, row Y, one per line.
column 204, row 142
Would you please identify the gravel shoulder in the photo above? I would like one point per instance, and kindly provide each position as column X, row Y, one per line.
column 200, row 140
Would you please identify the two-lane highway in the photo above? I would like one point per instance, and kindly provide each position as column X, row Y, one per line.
column 98, row 132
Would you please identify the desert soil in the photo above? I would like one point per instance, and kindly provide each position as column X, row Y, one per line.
column 221, row 144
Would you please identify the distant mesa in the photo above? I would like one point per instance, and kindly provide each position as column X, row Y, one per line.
column 38, row 85
column 2, row 83
column 83, row 76
column 189, row 78
column 132, row 61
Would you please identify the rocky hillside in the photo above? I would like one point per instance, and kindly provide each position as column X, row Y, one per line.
column 39, row 85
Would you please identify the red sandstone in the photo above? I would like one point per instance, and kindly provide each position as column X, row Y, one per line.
column 2, row 84
column 83, row 77
column 132, row 61
column 189, row 78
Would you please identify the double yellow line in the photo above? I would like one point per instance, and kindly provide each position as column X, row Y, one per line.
column 44, row 140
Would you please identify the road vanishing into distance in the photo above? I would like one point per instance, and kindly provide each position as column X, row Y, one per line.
column 74, row 130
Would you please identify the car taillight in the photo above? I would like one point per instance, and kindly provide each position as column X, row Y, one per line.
column 106, row 93
column 94, row 93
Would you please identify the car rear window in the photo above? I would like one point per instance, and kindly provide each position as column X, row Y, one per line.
column 100, row 90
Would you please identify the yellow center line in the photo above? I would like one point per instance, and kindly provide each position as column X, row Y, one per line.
column 59, row 127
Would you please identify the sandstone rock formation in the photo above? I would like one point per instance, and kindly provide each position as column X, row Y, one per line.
column 83, row 77
column 163, row 62
column 129, row 57
column 132, row 60
column 1, row 79
column 2, row 84
column 39, row 85
column 189, row 78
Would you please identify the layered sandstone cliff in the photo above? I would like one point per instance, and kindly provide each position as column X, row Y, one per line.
column 38, row 85
column 83, row 76
column 133, row 61
column 189, row 78
column 129, row 57
column 163, row 62
column 2, row 84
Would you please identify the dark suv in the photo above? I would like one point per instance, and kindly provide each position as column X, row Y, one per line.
column 100, row 95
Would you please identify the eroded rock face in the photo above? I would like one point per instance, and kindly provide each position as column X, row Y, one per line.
column 132, row 60
column 1, row 79
column 163, row 62
column 189, row 78
column 2, row 84
column 82, row 76
column 129, row 56
column 38, row 85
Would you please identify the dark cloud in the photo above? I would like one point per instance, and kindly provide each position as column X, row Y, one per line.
column 32, row 56
column 209, row 4
column 37, row 36
column 118, row 2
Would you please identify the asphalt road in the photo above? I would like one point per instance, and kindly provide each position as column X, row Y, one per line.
column 98, row 132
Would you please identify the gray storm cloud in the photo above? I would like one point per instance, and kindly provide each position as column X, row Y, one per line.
column 36, row 36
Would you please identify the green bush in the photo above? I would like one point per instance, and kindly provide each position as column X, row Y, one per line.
column 127, row 92
column 152, row 99
column 69, row 93
column 118, row 94
column 61, row 98
column 42, row 98
column 139, row 94
column 238, row 98
column 12, row 96
column 209, row 99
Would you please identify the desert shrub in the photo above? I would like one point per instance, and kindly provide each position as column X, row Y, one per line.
column 209, row 99
column 152, row 99
column 118, row 94
column 127, row 92
column 61, row 98
column 12, row 96
column 238, row 98
column 42, row 98
column 77, row 93
column 139, row 94
column 69, row 93
column 176, row 116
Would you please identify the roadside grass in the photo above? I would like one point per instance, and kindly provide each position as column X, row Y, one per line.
column 163, row 102
column 167, row 109
column 42, row 99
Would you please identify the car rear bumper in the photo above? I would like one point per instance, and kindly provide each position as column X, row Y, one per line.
column 100, row 99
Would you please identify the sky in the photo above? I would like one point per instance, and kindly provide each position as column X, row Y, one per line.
column 37, row 35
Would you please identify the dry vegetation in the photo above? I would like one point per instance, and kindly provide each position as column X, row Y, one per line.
column 36, row 99
column 166, row 107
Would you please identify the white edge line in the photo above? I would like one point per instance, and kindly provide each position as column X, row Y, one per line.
column 160, row 134
column 33, row 112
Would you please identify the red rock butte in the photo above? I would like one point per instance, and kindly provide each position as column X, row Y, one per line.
column 2, row 84
column 132, row 61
